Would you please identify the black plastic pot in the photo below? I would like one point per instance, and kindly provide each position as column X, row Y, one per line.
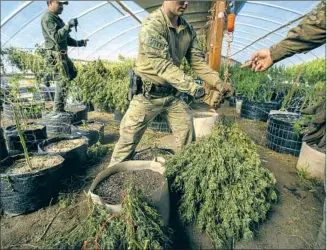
column 93, row 136
column 30, row 110
column 160, row 124
column 74, row 158
column 28, row 192
column 281, row 135
column 3, row 146
column 57, row 124
column 32, row 138
column 78, row 111
column 258, row 111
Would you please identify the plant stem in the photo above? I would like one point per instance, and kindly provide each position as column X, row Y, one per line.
column 22, row 139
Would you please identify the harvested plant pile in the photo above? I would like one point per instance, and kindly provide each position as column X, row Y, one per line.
column 224, row 189
column 139, row 226
column 111, row 189
column 151, row 153
column 96, row 152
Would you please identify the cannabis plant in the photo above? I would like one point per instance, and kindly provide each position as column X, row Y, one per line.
column 223, row 187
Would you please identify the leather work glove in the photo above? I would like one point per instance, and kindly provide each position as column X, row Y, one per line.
column 314, row 131
column 73, row 23
column 228, row 90
column 213, row 98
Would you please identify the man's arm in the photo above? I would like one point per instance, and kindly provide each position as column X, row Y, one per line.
column 195, row 58
column 74, row 43
column 52, row 30
column 308, row 35
column 156, row 49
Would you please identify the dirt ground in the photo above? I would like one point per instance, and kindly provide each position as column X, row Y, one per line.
column 293, row 222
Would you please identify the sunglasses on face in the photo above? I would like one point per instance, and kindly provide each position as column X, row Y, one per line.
column 182, row 3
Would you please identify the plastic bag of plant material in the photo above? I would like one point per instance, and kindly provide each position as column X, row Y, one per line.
column 223, row 188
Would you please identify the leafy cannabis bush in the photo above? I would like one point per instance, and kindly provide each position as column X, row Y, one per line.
column 104, row 83
column 224, row 189
column 261, row 87
column 297, row 85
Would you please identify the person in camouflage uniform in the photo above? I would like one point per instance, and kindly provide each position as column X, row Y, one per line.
column 308, row 35
column 164, row 40
column 57, row 40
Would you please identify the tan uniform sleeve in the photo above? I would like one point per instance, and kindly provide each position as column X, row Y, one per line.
column 156, row 50
column 195, row 57
column 308, row 35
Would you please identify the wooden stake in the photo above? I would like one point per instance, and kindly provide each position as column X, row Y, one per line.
column 216, row 37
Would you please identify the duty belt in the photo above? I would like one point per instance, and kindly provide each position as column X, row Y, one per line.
column 157, row 90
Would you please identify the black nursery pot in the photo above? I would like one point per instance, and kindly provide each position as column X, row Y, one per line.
column 29, row 109
column 32, row 138
column 57, row 124
column 93, row 136
column 3, row 147
column 78, row 112
column 258, row 111
column 281, row 135
column 28, row 192
column 74, row 158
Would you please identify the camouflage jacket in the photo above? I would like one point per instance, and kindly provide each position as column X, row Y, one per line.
column 161, row 50
column 308, row 35
column 56, row 33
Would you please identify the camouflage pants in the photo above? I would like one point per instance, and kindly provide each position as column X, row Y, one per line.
column 140, row 112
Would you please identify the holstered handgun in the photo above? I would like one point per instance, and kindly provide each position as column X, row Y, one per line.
column 135, row 85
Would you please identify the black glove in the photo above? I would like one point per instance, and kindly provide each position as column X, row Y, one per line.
column 314, row 132
column 73, row 23
column 82, row 43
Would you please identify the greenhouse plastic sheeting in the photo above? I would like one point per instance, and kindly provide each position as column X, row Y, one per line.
column 112, row 31
column 256, row 19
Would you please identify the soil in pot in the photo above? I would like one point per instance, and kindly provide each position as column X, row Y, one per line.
column 31, row 127
column 75, row 109
column 111, row 189
column 64, row 145
column 38, row 162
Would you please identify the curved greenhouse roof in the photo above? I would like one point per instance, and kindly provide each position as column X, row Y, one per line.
column 113, row 26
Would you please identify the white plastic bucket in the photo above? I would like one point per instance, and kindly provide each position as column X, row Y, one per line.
column 203, row 123
column 312, row 160
column 239, row 106
column 159, row 197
